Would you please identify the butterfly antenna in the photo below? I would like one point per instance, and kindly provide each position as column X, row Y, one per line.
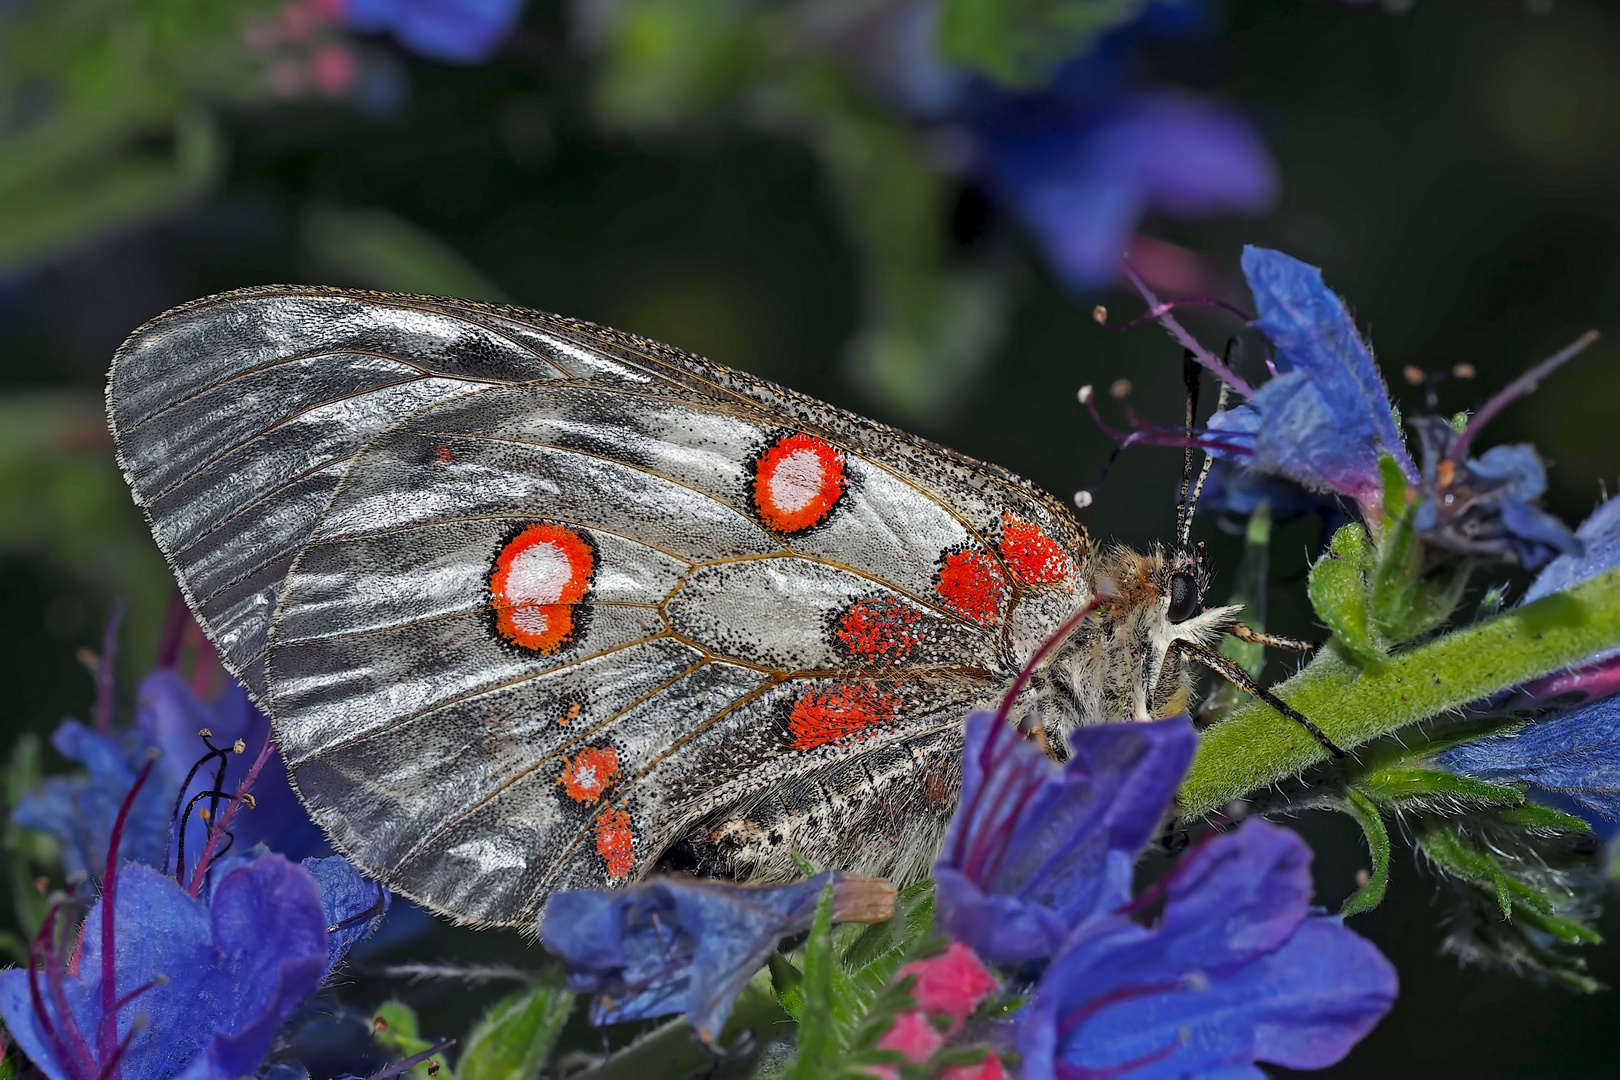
column 1234, row 353
column 1192, row 379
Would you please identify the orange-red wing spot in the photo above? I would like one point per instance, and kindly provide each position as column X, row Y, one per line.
column 881, row 629
column 616, row 843
column 971, row 585
column 829, row 713
column 797, row 481
column 539, row 576
column 590, row 773
column 1033, row 557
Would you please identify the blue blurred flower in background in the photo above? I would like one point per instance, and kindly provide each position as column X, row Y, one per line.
column 79, row 810
column 460, row 31
column 1084, row 159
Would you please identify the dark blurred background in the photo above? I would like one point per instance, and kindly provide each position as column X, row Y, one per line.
column 895, row 210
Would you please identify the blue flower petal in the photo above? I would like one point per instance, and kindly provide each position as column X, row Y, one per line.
column 1035, row 849
column 1236, row 972
column 354, row 906
column 234, row 969
column 1325, row 420
column 671, row 945
column 1600, row 538
column 79, row 810
column 462, row 31
column 1576, row 753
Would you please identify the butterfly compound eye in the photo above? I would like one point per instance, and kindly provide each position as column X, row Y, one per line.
column 1184, row 598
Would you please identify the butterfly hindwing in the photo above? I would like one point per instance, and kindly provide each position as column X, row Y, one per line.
column 534, row 604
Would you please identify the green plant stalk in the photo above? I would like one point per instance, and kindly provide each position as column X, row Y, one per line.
column 1257, row 747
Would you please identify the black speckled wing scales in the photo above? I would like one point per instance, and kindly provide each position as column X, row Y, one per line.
column 532, row 602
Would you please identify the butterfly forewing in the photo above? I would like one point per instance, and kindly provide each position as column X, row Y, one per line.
column 531, row 601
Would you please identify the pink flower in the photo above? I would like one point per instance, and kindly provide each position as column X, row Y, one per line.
column 335, row 69
column 988, row 1069
column 913, row 1036
column 951, row 984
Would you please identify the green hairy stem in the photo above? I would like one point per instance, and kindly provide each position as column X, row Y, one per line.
column 1354, row 702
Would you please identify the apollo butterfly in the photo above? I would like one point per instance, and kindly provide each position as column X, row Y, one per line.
column 535, row 604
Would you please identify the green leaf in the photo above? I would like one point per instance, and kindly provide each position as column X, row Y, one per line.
column 787, row 982
column 515, row 1037
column 1338, row 592
column 881, row 950
column 1020, row 42
column 394, row 1028
column 1404, row 787
column 1394, row 481
column 1371, row 821
column 376, row 250
column 824, row 1021
column 1256, row 747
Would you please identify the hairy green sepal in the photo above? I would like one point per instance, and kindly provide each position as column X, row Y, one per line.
column 1353, row 703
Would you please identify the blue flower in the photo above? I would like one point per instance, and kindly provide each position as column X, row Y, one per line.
column 203, row 984
column 79, row 810
column 1575, row 754
column 1236, row 970
column 1083, row 183
column 1034, row 850
column 1484, row 507
column 675, row 945
column 1325, row 419
column 461, row 31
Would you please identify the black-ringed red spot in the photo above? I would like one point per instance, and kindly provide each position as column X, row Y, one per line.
column 539, row 576
column 880, row 630
column 797, row 482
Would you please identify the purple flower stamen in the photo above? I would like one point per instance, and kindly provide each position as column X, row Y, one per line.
column 105, row 667
column 67, row 1042
column 1177, row 331
column 1099, row 314
column 223, row 821
column 1516, row 389
column 1147, row 433
column 399, row 1067
column 107, row 1032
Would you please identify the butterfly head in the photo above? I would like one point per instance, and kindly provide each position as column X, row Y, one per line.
column 1125, row 663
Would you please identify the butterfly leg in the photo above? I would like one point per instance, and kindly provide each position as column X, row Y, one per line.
column 1273, row 641
column 1233, row 673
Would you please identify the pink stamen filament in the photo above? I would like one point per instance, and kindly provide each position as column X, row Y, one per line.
column 67, row 1041
column 1161, row 309
column 1518, row 388
column 223, row 822
column 105, row 668
column 107, row 1030
column 1177, row 331
column 411, row 1062
column 1162, row 435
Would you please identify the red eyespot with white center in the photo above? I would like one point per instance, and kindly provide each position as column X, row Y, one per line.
column 1033, row 557
column 590, row 773
column 797, row 482
column 540, row 574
